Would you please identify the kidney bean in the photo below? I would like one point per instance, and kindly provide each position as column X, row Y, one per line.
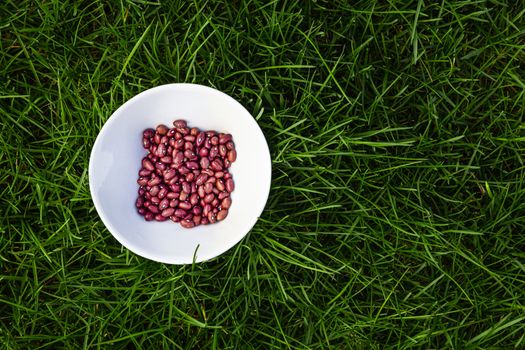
column 223, row 195
column 160, row 166
column 209, row 198
column 179, row 144
column 163, row 192
column 221, row 215
column 215, row 203
column 200, row 139
column 172, row 142
column 183, row 196
column 203, row 152
column 144, row 172
column 180, row 123
column 187, row 223
column 159, row 217
column 172, row 181
column 149, row 216
column 184, row 131
column 140, row 202
column 156, row 138
column 185, row 205
column 214, row 140
column 165, row 203
column 168, row 212
column 200, row 192
column 148, row 133
column 167, row 159
column 222, row 150
column 214, row 152
column 212, row 217
column 142, row 181
column 226, row 203
column 232, row 156
column 173, row 203
column 197, row 210
column 161, row 151
column 186, row 187
column 219, row 174
column 207, row 209
column 171, row 132
column 153, row 208
column 190, row 177
column 230, row 186
column 192, row 165
column 216, row 164
column 194, row 199
column 208, row 187
column 147, row 164
column 183, row 170
column 190, row 138
column 196, row 220
column 162, row 129
column 141, row 191
column 180, row 213
column 178, row 158
column 207, row 143
column 219, row 184
column 215, row 190
column 154, row 190
column 201, row 179
column 154, row 181
column 175, row 188
column 227, row 163
column 194, row 131
column 205, row 163
column 208, row 172
column 174, row 218
column 164, row 140
column 142, row 211
column 146, row 143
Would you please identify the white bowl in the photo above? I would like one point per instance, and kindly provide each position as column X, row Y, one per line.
column 116, row 159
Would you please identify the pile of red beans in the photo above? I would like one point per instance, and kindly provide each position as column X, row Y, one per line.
column 185, row 175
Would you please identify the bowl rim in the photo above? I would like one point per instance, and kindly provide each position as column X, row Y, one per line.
column 137, row 248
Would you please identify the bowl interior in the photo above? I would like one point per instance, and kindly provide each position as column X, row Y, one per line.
column 116, row 159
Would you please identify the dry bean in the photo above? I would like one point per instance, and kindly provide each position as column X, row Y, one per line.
column 230, row 186
column 147, row 164
column 164, row 204
column 221, row 215
column 232, row 155
column 185, row 205
column 168, row 212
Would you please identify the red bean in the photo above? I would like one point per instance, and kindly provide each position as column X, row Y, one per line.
column 154, row 181
column 190, row 138
column 230, row 145
column 201, row 179
column 148, row 133
column 219, row 174
column 205, row 163
column 208, row 187
column 147, row 164
column 156, row 138
column 146, row 143
column 200, row 191
column 162, row 129
column 197, row 220
column 207, row 143
column 232, row 155
column 223, row 195
column 171, row 132
column 166, row 159
column 149, row 216
column 187, row 223
column 144, row 172
column 194, row 131
column 165, row 203
column 183, row 170
column 194, row 199
column 185, row 205
column 179, row 144
column 174, row 218
column 142, row 211
column 212, row 217
column 230, row 186
column 207, row 209
column 215, row 203
column 159, row 217
column 190, row 177
column 226, row 203
column 168, row 212
column 223, row 151
column 224, row 138
column 219, row 184
column 160, row 166
column 179, row 123
column 214, row 152
column 197, row 210
column 221, row 215
column 214, row 140
column 152, row 208
column 216, row 164
column 200, row 139
column 209, row 198
column 142, row 181
column 192, row 165
column 183, row 196
column 203, row 152
column 140, row 202
column 180, row 213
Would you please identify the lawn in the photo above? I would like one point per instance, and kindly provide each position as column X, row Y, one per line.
column 396, row 217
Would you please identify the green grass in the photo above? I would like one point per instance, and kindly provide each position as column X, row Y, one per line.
column 396, row 217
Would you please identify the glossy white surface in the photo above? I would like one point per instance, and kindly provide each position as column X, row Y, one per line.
column 116, row 159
